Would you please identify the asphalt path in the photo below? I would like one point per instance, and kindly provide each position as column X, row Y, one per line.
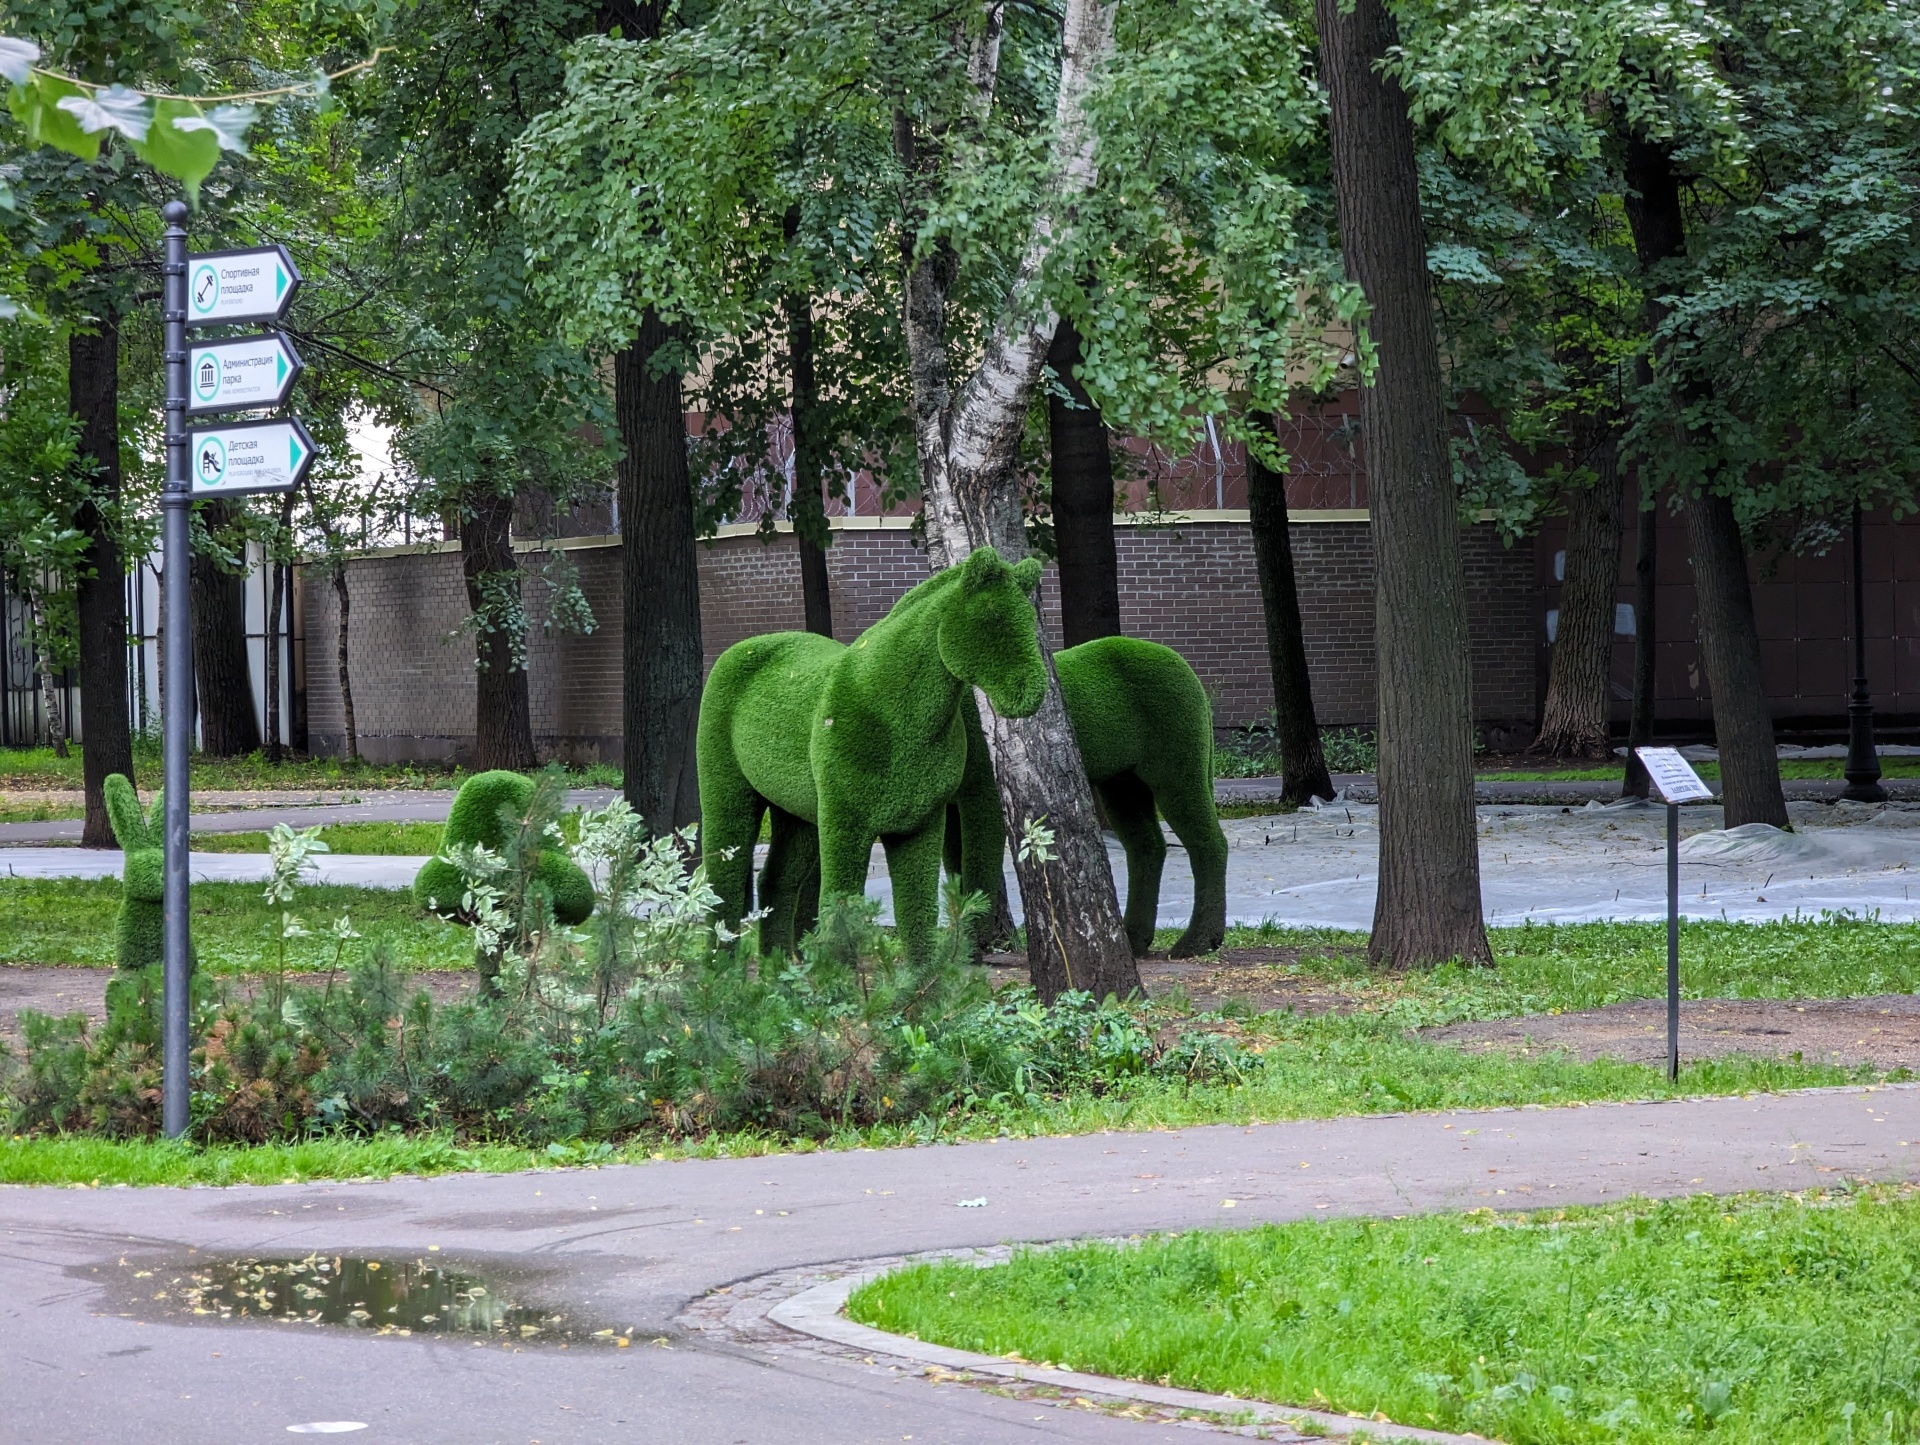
column 637, row 1245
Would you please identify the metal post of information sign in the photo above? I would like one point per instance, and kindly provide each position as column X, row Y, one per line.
column 1677, row 783
column 236, row 374
column 176, row 705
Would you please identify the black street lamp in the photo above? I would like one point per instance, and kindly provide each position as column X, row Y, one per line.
column 1863, row 761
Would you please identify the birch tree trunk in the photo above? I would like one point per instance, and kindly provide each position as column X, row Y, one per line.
column 1428, row 907
column 968, row 445
column 49, row 694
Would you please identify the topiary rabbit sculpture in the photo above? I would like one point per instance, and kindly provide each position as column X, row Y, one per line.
column 479, row 815
column 139, row 932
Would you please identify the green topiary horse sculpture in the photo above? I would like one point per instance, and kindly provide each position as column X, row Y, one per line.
column 848, row 744
column 1145, row 730
column 139, row 933
column 480, row 814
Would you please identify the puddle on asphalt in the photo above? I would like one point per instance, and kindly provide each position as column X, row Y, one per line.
column 385, row 1296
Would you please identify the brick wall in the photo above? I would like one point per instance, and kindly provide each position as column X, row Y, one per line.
column 1190, row 585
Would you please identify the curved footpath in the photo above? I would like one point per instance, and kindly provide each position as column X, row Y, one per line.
column 649, row 1247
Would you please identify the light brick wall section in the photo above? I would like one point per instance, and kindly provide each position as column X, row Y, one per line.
column 1192, row 586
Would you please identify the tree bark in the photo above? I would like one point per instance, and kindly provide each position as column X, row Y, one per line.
column 1574, row 721
column 1729, row 638
column 968, row 446
column 49, row 693
column 503, row 720
column 93, row 395
column 1303, row 763
column 1730, row 648
column 228, row 726
column 276, row 592
column 1082, row 500
column 1646, row 552
column 661, row 649
column 1428, row 908
column 808, row 509
column 350, row 736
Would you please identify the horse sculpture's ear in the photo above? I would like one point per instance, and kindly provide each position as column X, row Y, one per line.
column 982, row 567
column 1027, row 574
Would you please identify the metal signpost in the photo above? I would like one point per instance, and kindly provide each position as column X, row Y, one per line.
column 1678, row 783
column 221, row 288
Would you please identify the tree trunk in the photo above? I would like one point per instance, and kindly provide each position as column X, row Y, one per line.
column 661, row 650
column 1729, row 638
column 276, row 592
column 49, row 694
column 350, row 737
column 502, row 720
column 1646, row 550
column 968, row 447
column 1303, row 764
column 808, row 509
column 93, row 395
column 1428, row 909
column 1574, row 722
column 1082, row 501
column 1730, row 648
column 228, row 726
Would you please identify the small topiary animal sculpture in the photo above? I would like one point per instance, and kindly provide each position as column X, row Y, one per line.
column 486, row 811
column 1145, row 730
column 849, row 744
column 139, row 933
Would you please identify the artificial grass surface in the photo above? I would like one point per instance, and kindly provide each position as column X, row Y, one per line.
column 1756, row 1320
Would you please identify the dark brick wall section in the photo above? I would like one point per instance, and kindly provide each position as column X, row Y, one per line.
column 1191, row 586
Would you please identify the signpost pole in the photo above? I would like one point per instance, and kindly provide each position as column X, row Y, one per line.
column 177, row 704
column 1673, row 941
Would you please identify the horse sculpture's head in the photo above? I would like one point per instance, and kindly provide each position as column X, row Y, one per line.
column 989, row 635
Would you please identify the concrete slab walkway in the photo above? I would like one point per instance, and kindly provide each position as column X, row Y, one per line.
column 638, row 1247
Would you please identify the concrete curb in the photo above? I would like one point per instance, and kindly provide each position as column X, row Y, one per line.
column 818, row 1313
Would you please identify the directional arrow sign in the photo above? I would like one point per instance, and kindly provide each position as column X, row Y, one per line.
column 248, row 371
column 248, row 456
column 229, row 287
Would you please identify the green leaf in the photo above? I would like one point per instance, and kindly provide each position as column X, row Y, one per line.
column 115, row 108
column 227, row 125
column 36, row 105
column 16, row 58
column 174, row 147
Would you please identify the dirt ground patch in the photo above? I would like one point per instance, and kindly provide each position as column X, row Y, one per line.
column 1882, row 1031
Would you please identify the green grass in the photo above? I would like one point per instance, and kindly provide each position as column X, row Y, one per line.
column 417, row 840
column 13, row 812
column 77, row 1159
column 70, row 921
column 1756, row 1320
column 39, row 768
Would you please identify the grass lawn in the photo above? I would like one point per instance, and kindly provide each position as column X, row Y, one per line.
column 1359, row 1062
column 39, row 768
column 1757, row 1320
column 406, row 840
column 70, row 921
column 16, row 812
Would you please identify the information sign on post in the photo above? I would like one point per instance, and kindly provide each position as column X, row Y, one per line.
column 221, row 288
column 1678, row 783
column 229, row 288
column 248, row 456
column 241, row 374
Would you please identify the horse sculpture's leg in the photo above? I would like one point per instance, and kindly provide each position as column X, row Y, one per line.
column 1130, row 810
column 913, row 864
column 730, row 813
column 1187, row 804
column 790, row 883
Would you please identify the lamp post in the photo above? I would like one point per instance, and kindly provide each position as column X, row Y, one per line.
column 1863, row 761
